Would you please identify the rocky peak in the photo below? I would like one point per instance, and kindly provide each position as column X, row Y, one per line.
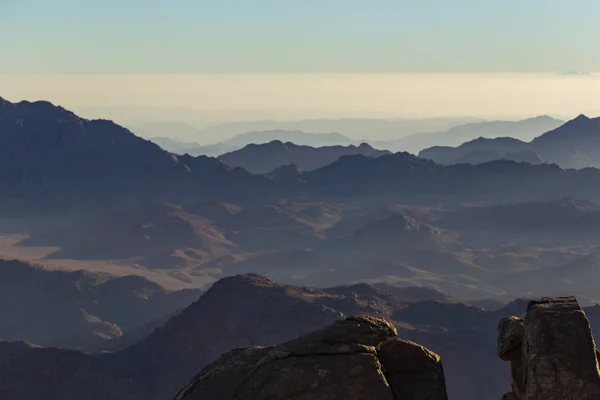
column 355, row 358
column 552, row 352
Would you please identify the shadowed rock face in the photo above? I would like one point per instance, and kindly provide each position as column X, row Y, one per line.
column 413, row 371
column 511, row 332
column 558, row 354
column 341, row 361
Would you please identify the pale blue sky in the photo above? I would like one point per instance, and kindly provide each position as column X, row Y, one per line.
column 298, row 36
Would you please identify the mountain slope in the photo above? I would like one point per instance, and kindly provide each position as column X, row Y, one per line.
column 265, row 158
column 75, row 309
column 575, row 144
column 51, row 158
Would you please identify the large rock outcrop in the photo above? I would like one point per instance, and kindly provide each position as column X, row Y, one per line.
column 511, row 331
column 552, row 352
column 356, row 358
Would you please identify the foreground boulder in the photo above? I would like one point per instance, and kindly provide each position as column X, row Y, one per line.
column 552, row 352
column 355, row 358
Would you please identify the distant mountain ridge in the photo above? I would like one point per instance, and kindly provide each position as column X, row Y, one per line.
column 52, row 160
column 575, row 144
column 257, row 137
column 355, row 128
column 523, row 130
column 456, row 133
column 263, row 158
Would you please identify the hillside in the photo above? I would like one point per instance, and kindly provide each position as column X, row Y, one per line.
column 77, row 309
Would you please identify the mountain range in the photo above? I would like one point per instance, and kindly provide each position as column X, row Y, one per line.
column 572, row 145
column 523, row 130
column 263, row 158
column 256, row 137
column 111, row 225
column 80, row 193
column 452, row 135
column 52, row 158
column 355, row 128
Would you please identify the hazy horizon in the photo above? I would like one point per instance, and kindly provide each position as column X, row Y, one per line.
column 205, row 63
column 203, row 100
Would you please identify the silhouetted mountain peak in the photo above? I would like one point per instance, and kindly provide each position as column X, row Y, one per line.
column 493, row 141
column 34, row 110
column 581, row 118
column 263, row 158
column 578, row 128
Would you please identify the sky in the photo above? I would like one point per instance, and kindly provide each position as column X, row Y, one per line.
column 376, row 57
column 288, row 36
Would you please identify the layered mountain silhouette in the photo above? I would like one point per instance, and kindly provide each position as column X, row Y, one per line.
column 264, row 158
column 53, row 159
column 96, row 194
column 523, row 130
column 367, row 128
column 572, row 145
column 258, row 137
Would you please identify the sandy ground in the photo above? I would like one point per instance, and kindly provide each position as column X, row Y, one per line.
column 171, row 279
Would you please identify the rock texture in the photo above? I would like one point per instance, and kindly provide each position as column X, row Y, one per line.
column 559, row 353
column 341, row 361
column 413, row 371
column 511, row 331
column 552, row 352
